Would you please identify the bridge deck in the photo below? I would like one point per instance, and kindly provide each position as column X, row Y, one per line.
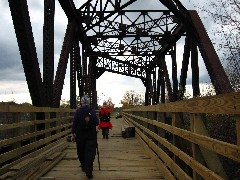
column 119, row 159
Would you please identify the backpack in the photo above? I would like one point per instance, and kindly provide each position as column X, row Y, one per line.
column 104, row 116
column 87, row 122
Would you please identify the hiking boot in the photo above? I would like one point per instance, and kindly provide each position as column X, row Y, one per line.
column 89, row 175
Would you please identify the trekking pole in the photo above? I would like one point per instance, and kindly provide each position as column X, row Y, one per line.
column 98, row 158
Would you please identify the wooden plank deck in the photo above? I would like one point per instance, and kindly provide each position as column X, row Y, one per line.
column 119, row 158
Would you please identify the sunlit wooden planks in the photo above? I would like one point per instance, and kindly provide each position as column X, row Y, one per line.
column 120, row 158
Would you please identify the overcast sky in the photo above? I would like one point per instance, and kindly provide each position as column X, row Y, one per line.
column 13, row 85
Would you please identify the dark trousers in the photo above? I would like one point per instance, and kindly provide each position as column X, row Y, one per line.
column 86, row 151
column 105, row 132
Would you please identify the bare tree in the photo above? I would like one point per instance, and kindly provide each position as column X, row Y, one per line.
column 226, row 15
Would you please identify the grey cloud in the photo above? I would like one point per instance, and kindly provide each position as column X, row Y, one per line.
column 35, row 5
column 10, row 60
column 9, row 55
column 15, row 73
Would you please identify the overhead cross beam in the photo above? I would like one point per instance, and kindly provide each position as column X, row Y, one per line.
column 116, row 4
column 113, row 40
column 111, row 64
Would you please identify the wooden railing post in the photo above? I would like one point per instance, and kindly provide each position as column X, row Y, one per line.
column 151, row 127
column 58, row 116
column 145, row 124
column 17, row 131
column 238, row 129
column 47, row 125
column 174, row 137
column 33, row 127
column 192, row 129
column 161, row 132
column 211, row 158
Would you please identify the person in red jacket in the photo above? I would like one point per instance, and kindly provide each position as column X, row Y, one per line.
column 105, row 124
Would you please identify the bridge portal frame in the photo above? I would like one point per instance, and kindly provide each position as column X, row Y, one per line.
column 88, row 64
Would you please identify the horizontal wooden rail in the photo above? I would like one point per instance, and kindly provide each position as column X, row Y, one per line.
column 203, row 171
column 21, row 139
column 29, row 109
column 219, row 104
column 9, row 141
column 29, row 123
column 220, row 147
column 157, row 127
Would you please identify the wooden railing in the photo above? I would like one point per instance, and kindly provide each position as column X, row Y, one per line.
column 32, row 137
column 185, row 150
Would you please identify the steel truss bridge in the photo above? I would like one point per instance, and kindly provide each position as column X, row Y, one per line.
column 111, row 36
column 108, row 36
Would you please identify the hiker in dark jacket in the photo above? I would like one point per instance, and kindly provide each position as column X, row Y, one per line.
column 84, row 132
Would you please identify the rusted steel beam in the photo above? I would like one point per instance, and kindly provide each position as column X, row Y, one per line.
column 73, row 68
column 48, row 50
column 167, row 79
column 103, row 55
column 178, row 32
column 182, row 14
column 112, row 64
column 158, row 86
column 92, row 82
column 79, row 70
column 154, row 85
column 185, row 62
column 99, row 71
column 72, row 14
column 195, row 69
column 163, row 90
column 90, row 79
column 174, row 74
column 214, row 67
column 69, row 8
column 23, row 30
column 84, row 69
column 148, row 85
column 62, row 64
column 118, row 8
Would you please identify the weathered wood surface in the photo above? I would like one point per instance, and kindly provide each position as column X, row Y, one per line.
column 120, row 158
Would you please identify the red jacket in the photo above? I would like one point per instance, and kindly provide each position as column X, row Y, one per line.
column 104, row 124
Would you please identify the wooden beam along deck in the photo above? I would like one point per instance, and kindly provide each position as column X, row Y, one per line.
column 120, row 158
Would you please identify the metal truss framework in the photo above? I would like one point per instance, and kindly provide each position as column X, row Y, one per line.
column 115, row 39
